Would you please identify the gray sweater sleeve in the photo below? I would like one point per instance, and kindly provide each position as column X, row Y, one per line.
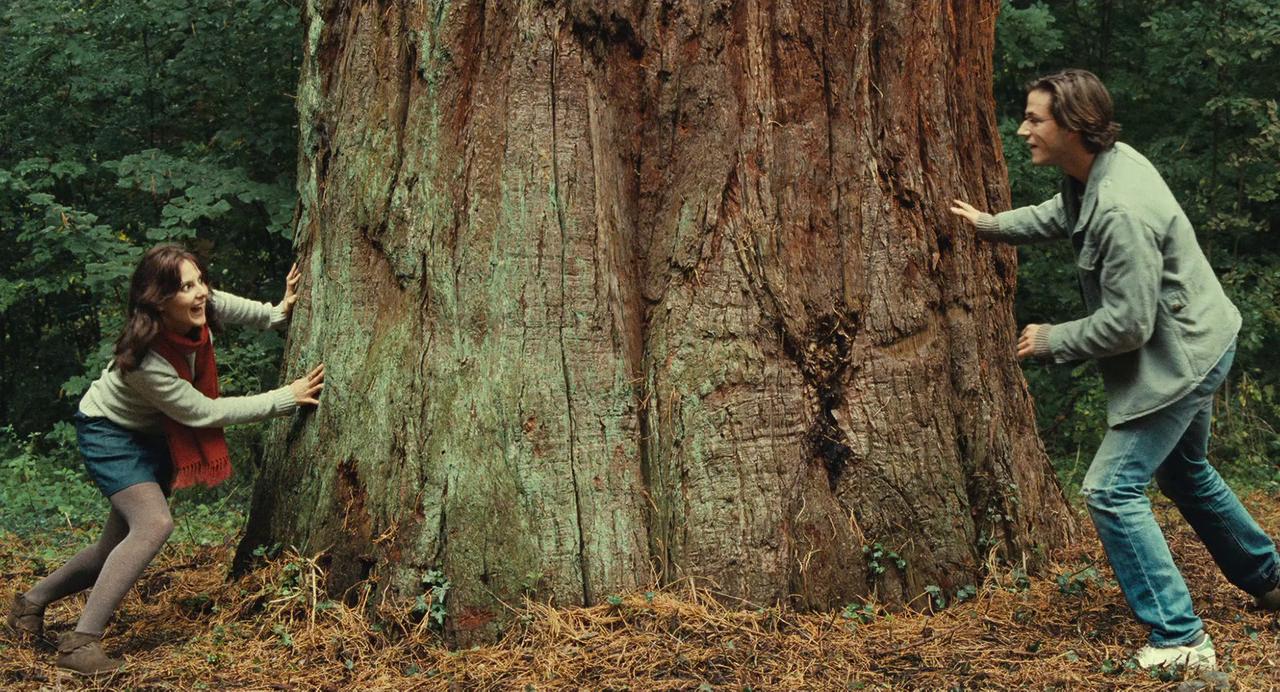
column 156, row 381
column 236, row 310
column 1033, row 224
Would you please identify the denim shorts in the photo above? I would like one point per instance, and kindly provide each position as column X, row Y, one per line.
column 117, row 457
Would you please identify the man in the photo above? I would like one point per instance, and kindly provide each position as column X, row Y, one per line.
column 1163, row 334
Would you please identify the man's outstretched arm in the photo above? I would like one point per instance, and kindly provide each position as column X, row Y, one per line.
column 1032, row 224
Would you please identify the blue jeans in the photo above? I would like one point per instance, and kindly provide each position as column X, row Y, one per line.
column 1171, row 445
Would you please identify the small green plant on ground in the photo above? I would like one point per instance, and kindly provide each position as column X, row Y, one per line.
column 936, row 596
column 431, row 603
column 859, row 613
column 40, row 488
column 1079, row 582
column 879, row 558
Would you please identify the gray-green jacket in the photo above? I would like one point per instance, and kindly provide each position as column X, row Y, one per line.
column 1158, row 318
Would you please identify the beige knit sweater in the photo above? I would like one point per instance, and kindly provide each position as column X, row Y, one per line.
column 141, row 399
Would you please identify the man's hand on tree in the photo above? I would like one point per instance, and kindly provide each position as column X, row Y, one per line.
column 1027, row 341
column 965, row 211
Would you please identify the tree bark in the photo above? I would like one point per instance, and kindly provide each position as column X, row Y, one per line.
column 616, row 293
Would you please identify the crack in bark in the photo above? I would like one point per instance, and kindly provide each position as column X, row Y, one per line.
column 408, row 72
column 564, row 363
column 442, row 533
column 824, row 358
column 832, row 177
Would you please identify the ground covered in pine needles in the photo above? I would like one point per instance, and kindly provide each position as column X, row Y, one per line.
column 186, row 627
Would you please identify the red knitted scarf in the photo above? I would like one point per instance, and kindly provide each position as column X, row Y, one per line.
column 199, row 454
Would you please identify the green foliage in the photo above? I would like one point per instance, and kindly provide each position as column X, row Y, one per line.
column 1079, row 582
column 127, row 124
column 198, row 191
column 1110, row 667
column 1021, row 580
column 268, row 552
column 207, row 523
column 40, row 488
column 936, row 596
column 859, row 613
column 432, row 602
column 283, row 635
column 1024, row 36
column 1195, row 86
column 879, row 558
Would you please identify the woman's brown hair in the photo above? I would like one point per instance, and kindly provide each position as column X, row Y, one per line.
column 1081, row 103
column 156, row 279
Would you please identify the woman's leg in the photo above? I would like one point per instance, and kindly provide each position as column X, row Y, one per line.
column 146, row 511
column 82, row 569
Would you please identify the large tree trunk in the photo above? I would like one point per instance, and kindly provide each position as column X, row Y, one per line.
column 612, row 293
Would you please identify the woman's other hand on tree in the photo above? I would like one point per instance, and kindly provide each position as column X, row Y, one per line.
column 291, row 289
column 306, row 389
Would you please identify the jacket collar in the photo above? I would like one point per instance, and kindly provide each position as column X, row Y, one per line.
column 1085, row 206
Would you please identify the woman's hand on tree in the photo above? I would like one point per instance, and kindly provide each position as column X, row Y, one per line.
column 291, row 289
column 307, row 388
column 965, row 211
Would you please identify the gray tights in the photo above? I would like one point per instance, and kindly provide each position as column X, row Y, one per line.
column 136, row 529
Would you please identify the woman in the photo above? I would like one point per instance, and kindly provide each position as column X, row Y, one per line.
column 152, row 423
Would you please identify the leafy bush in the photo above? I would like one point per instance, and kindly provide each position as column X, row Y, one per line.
column 128, row 124
column 39, row 489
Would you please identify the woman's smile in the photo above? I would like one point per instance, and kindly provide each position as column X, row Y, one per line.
column 185, row 309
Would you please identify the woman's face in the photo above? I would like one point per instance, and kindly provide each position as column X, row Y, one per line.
column 184, row 310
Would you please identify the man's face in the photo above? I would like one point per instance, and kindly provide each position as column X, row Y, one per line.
column 1048, row 141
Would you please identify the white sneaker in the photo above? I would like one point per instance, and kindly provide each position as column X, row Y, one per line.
column 1194, row 656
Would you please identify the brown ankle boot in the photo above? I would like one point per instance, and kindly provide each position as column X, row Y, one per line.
column 25, row 617
column 82, row 653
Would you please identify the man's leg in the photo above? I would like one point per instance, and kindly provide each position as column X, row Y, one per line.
column 1243, row 551
column 1115, row 493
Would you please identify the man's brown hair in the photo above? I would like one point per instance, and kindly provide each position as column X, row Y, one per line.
column 1081, row 103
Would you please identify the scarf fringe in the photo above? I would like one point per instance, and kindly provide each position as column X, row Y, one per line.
column 207, row 473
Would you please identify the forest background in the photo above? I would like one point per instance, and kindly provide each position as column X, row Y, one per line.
column 128, row 123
